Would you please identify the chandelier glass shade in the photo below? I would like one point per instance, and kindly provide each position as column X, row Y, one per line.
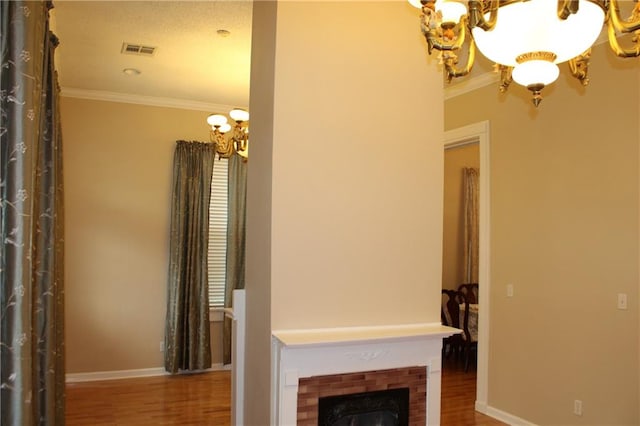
column 238, row 141
column 526, row 39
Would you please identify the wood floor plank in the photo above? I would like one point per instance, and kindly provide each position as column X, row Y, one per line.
column 195, row 399
column 459, row 397
column 204, row 399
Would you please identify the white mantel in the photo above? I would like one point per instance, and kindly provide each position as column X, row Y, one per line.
column 305, row 353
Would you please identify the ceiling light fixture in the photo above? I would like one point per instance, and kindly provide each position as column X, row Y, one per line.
column 238, row 141
column 527, row 39
column 131, row 71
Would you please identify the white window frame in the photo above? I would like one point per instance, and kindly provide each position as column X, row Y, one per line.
column 217, row 250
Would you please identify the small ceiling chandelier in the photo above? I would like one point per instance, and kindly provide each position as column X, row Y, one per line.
column 238, row 141
column 526, row 39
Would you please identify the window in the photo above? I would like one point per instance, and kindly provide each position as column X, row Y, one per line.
column 217, row 251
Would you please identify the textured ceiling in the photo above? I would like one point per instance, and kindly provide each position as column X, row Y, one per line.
column 192, row 62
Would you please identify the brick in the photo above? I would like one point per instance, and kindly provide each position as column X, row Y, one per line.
column 313, row 388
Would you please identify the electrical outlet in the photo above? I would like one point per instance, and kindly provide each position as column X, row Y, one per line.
column 622, row 301
column 509, row 290
column 577, row 407
column 161, row 346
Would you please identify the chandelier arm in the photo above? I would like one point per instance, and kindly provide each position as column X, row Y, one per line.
column 622, row 25
column 567, row 8
column 476, row 14
column 620, row 51
column 426, row 29
column 579, row 67
column 462, row 36
column 224, row 149
column 434, row 41
column 505, row 77
column 240, row 138
column 452, row 59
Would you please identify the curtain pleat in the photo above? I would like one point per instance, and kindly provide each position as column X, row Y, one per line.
column 236, row 222
column 31, row 185
column 187, row 341
column 471, row 224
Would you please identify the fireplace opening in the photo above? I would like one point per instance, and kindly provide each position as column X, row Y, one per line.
column 378, row 408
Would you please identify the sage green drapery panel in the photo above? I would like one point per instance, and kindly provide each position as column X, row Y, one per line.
column 236, row 219
column 32, row 258
column 470, row 182
column 187, row 344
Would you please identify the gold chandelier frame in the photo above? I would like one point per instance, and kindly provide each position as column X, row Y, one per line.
column 238, row 141
column 449, row 38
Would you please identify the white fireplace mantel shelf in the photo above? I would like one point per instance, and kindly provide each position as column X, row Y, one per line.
column 351, row 335
column 317, row 352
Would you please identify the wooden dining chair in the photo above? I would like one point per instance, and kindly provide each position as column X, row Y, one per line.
column 450, row 315
column 469, row 342
column 470, row 291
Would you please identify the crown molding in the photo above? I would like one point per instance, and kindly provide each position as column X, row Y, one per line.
column 470, row 84
column 99, row 95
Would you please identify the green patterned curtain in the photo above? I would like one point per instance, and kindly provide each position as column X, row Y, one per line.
column 31, row 197
column 470, row 182
column 187, row 344
column 236, row 219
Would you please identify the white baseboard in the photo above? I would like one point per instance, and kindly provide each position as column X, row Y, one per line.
column 503, row 416
column 127, row 374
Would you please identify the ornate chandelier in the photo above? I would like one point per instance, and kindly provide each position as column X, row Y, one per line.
column 526, row 39
column 238, row 141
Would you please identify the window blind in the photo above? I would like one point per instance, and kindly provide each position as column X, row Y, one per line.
column 217, row 250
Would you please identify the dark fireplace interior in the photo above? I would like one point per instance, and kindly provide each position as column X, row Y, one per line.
column 378, row 408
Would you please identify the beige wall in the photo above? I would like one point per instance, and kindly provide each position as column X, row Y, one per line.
column 118, row 166
column 564, row 232
column 354, row 214
column 455, row 159
column 351, row 221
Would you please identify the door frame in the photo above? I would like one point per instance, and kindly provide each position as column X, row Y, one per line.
column 479, row 133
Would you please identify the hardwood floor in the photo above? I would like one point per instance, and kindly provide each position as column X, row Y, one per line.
column 196, row 399
column 204, row 399
column 459, row 397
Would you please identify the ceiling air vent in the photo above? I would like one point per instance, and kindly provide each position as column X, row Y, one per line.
column 137, row 49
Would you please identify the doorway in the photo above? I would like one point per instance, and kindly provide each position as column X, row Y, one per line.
column 478, row 134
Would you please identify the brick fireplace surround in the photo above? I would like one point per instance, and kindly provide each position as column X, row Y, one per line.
column 310, row 364
column 311, row 389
